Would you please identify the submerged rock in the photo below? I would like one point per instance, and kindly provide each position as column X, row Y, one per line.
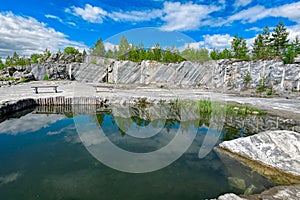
column 237, row 182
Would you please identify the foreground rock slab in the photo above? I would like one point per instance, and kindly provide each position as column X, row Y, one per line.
column 291, row 192
column 274, row 154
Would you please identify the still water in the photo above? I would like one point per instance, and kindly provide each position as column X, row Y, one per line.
column 42, row 156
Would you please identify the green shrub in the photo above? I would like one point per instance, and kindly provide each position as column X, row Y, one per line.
column 23, row 80
column 94, row 62
column 270, row 91
column 46, row 78
column 262, row 87
column 247, row 79
column 71, row 50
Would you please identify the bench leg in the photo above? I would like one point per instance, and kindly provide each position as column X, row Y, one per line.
column 36, row 90
column 55, row 89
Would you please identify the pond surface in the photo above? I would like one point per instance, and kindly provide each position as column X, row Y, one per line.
column 43, row 157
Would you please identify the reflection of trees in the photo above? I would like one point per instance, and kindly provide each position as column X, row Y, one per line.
column 100, row 115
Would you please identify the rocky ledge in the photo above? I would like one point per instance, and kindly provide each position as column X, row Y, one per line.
column 274, row 154
column 291, row 192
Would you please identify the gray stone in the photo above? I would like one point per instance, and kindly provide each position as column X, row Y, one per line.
column 230, row 196
column 277, row 149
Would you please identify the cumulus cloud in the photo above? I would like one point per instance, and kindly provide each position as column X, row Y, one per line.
column 294, row 31
column 89, row 13
column 210, row 42
column 26, row 36
column 187, row 16
column 253, row 14
column 175, row 16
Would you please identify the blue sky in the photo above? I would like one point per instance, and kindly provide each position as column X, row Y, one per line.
column 32, row 26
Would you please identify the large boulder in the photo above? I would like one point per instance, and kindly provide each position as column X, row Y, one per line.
column 275, row 154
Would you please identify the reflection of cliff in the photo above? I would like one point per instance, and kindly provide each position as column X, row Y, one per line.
column 256, row 124
column 249, row 124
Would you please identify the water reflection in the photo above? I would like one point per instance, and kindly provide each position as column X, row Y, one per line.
column 49, row 160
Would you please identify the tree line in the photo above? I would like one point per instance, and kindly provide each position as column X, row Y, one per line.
column 267, row 45
column 137, row 53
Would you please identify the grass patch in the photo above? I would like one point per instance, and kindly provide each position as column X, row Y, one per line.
column 7, row 79
column 208, row 107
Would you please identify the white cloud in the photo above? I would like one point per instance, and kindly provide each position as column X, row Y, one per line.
column 256, row 29
column 26, row 36
column 89, row 13
column 187, row 16
column 176, row 16
column 294, row 32
column 136, row 16
column 210, row 42
column 110, row 46
column 28, row 123
column 54, row 17
column 253, row 14
column 218, row 41
column 241, row 3
column 250, row 15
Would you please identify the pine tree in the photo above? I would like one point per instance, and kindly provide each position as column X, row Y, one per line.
column 267, row 49
column 124, row 48
column 279, row 39
column 258, row 47
column 109, row 54
column 239, row 48
column 115, row 52
column 98, row 49
column 84, row 52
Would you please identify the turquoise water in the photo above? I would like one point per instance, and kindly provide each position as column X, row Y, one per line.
column 43, row 157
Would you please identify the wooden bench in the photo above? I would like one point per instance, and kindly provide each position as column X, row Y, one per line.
column 97, row 87
column 45, row 86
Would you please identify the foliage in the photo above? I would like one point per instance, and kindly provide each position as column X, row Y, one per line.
column 47, row 54
column 124, row 48
column 242, row 110
column 84, row 52
column 247, row 79
column 261, row 47
column 217, row 55
column 71, row 50
column 239, row 48
column 262, row 87
column 34, row 58
column 279, row 40
column 23, row 80
column 7, row 78
column 94, row 62
column 195, row 54
column 270, row 91
column 46, row 78
column 290, row 54
column 98, row 49
column 1, row 64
